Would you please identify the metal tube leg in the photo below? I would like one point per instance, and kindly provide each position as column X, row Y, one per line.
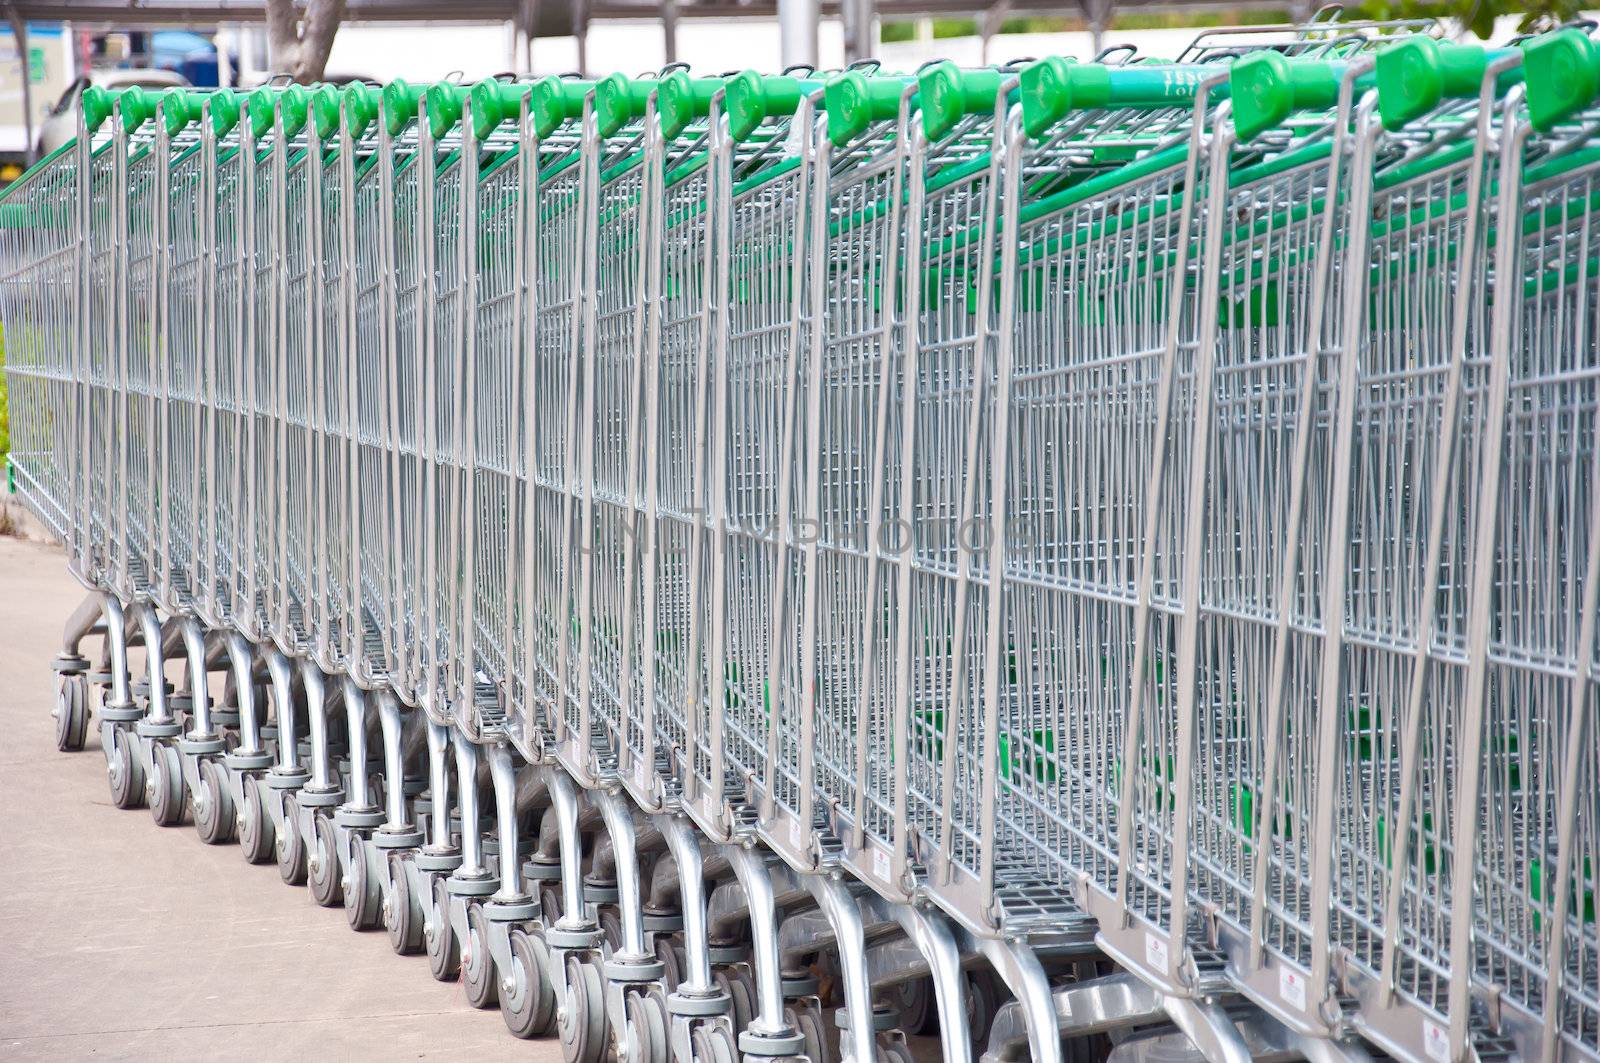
column 79, row 624
column 117, row 642
column 241, row 657
column 439, row 789
column 393, row 762
column 279, row 669
column 355, row 714
column 467, row 801
column 1209, row 1028
column 625, row 855
column 317, row 722
column 194, row 644
column 850, row 937
column 685, row 846
column 564, row 798
column 932, row 936
column 1019, row 968
column 769, row 1032
column 504, row 775
column 150, row 625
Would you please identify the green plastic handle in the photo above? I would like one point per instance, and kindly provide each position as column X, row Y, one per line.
column 96, row 104
column 752, row 98
column 1562, row 71
column 1053, row 88
column 1415, row 74
column 180, row 108
column 855, row 101
column 1267, row 88
column 619, row 100
column 362, row 103
column 400, row 101
column 225, row 104
column 263, row 104
column 325, row 110
column 557, row 101
column 443, row 101
column 948, row 94
column 680, row 99
column 137, row 107
column 494, row 102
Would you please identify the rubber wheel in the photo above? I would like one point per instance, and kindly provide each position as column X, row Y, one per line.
column 322, row 865
column 125, row 769
column 741, row 991
column 444, row 951
column 712, row 1044
column 672, row 963
column 549, row 905
column 71, row 712
column 363, row 901
column 527, row 1003
column 647, row 1028
column 611, row 928
column 583, row 1020
column 478, row 973
column 257, row 836
column 895, row 1052
column 291, row 849
column 402, row 915
column 809, row 1025
column 982, row 999
column 164, row 789
column 214, row 815
column 914, row 1001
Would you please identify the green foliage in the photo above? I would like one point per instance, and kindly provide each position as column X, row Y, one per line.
column 1535, row 16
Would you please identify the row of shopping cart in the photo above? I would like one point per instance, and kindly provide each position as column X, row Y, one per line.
column 1074, row 557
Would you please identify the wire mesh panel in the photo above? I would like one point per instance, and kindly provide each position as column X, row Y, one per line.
column 138, row 442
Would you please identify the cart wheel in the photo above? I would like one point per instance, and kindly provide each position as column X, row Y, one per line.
column 125, row 769
column 164, row 789
column 549, row 905
column 402, row 916
column 741, row 992
column 611, row 928
column 808, row 1022
column 712, row 1044
column 71, row 712
column 914, row 1001
column 257, row 838
column 672, row 963
column 214, row 815
column 477, row 962
column 894, row 1052
column 363, row 901
column 982, row 1000
column 291, row 845
column 583, row 1020
column 527, row 1002
column 647, row 1028
column 327, row 877
column 444, row 951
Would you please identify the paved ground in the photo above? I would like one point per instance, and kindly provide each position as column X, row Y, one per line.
column 120, row 940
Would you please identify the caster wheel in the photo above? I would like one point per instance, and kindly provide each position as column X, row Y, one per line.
column 741, row 991
column 672, row 964
column 583, row 1020
column 444, row 951
column 895, row 1052
column 164, row 788
column 549, row 905
column 982, row 1000
column 363, row 900
column 322, row 865
column 71, row 712
column 647, row 1028
column 291, row 846
column 712, row 1044
column 527, row 1003
column 809, row 1024
column 477, row 962
column 914, row 1001
column 257, row 837
column 402, row 915
column 611, row 928
column 125, row 769
column 214, row 815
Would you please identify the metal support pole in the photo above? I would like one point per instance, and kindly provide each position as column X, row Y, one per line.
column 797, row 31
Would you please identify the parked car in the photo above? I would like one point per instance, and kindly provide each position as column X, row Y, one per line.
column 62, row 123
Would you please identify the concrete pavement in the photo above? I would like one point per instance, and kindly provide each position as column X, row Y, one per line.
column 121, row 940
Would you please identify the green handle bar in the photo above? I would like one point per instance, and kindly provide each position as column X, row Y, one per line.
column 325, row 110
column 751, row 98
column 400, row 100
column 619, row 100
column 180, row 108
column 443, row 102
column 1266, row 88
column 1562, row 71
column 494, row 102
column 855, row 101
column 362, row 102
column 681, row 99
column 556, row 101
column 1053, row 88
column 1416, row 74
column 296, row 105
column 947, row 94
